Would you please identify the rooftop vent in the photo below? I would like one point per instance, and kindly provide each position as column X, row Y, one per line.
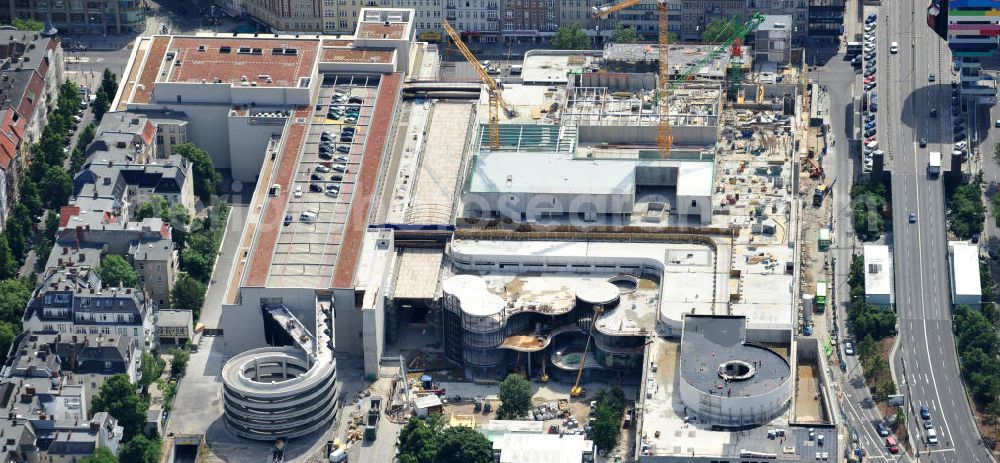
column 244, row 50
column 225, row 49
column 201, row 48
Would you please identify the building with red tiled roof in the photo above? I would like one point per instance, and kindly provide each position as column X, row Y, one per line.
column 31, row 70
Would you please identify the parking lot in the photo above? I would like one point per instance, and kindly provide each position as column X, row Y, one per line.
column 324, row 183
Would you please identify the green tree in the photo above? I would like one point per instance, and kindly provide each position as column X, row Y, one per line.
column 58, row 186
column 140, row 450
column 571, row 37
column 119, row 398
column 188, row 294
column 79, row 155
column 463, row 445
column 27, row 24
column 515, row 397
column 30, row 197
column 109, row 82
column 102, row 103
column 8, row 264
column 179, row 363
column 418, row 440
column 716, row 31
column 152, row 367
column 604, row 427
column 197, row 265
column 207, row 180
column 14, row 296
column 8, row 332
column 101, row 455
column 967, row 210
column 154, row 207
column 116, row 271
column 19, row 228
column 624, row 34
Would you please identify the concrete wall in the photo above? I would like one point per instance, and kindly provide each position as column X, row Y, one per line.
column 700, row 206
column 228, row 94
column 349, row 330
column 243, row 323
column 249, row 137
column 656, row 175
column 682, row 134
column 513, row 205
column 619, row 81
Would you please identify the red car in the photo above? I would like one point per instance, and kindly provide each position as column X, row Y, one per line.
column 870, row 79
column 870, row 139
column 890, row 443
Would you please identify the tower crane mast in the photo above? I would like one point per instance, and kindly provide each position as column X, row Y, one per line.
column 495, row 94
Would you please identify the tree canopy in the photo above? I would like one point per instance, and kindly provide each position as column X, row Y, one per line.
column 140, row 450
column 515, row 397
column 716, row 31
column 967, row 210
column 118, row 397
column 606, row 425
column 27, row 24
column 426, row 441
column 101, row 455
column 868, row 201
column 179, row 363
column 207, row 180
column 624, row 34
column 571, row 37
column 116, row 271
column 188, row 294
column 463, row 445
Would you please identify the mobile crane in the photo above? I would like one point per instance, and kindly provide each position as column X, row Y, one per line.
column 577, row 390
column 495, row 94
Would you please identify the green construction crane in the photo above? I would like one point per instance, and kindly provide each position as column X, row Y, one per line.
column 749, row 26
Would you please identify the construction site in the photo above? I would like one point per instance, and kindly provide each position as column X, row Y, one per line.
column 631, row 218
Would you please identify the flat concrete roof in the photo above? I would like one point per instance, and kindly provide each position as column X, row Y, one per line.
column 878, row 269
column 965, row 269
column 285, row 60
column 688, row 284
column 539, row 173
column 708, row 343
column 542, row 448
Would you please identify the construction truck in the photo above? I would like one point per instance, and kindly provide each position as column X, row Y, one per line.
column 374, row 413
column 934, row 164
column 818, row 195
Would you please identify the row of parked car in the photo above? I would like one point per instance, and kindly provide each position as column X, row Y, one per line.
column 870, row 130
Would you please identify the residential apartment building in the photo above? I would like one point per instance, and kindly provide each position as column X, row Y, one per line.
column 287, row 15
column 74, row 300
column 530, row 19
column 973, row 27
column 47, row 421
column 31, row 70
column 57, row 355
column 89, row 17
column 644, row 18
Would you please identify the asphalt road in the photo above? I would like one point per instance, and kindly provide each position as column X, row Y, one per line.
column 857, row 407
column 925, row 365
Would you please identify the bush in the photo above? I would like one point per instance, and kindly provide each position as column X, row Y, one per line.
column 967, row 210
column 869, row 202
column 179, row 364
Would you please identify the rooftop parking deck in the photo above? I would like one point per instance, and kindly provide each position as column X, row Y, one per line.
column 312, row 219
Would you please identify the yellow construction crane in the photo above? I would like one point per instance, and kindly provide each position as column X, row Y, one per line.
column 576, row 390
column 496, row 96
column 663, row 136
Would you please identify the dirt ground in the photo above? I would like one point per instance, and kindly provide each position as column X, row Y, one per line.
column 807, row 403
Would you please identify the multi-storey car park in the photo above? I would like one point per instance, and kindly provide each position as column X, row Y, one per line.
column 308, row 119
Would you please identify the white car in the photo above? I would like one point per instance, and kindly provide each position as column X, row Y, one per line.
column 298, row 192
column 849, row 348
column 322, row 168
column 894, row 48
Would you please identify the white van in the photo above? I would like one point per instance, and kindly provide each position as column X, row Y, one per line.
column 894, row 48
column 932, row 436
column 307, row 216
column 338, row 456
